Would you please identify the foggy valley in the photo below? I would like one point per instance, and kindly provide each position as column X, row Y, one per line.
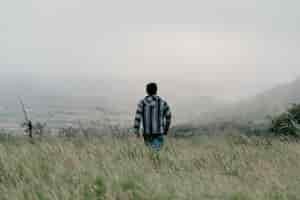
column 65, row 103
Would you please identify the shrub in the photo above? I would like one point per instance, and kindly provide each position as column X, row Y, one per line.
column 287, row 123
column 294, row 111
column 283, row 124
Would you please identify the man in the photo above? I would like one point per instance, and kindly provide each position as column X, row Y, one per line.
column 155, row 116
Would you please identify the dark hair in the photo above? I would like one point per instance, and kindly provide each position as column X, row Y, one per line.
column 151, row 89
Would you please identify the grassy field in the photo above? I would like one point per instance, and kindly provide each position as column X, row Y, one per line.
column 232, row 167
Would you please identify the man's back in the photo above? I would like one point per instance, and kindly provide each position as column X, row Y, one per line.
column 154, row 114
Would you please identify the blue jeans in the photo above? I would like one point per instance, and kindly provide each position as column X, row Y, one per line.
column 154, row 141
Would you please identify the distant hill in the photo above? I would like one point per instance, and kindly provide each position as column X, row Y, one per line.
column 270, row 102
column 249, row 116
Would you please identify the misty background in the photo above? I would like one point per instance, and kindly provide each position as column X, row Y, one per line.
column 80, row 60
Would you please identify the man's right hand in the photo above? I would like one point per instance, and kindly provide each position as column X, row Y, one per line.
column 166, row 132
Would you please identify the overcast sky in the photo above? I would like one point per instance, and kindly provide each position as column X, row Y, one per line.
column 239, row 47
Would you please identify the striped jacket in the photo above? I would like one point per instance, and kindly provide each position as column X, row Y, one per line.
column 154, row 114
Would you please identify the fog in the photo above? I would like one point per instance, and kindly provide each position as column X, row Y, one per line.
column 227, row 50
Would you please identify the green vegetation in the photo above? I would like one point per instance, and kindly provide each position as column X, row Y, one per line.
column 229, row 167
column 288, row 122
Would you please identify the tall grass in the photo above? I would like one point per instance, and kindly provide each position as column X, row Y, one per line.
column 205, row 167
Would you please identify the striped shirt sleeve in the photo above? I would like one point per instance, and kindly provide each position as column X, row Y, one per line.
column 168, row 116
column 138, row 117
